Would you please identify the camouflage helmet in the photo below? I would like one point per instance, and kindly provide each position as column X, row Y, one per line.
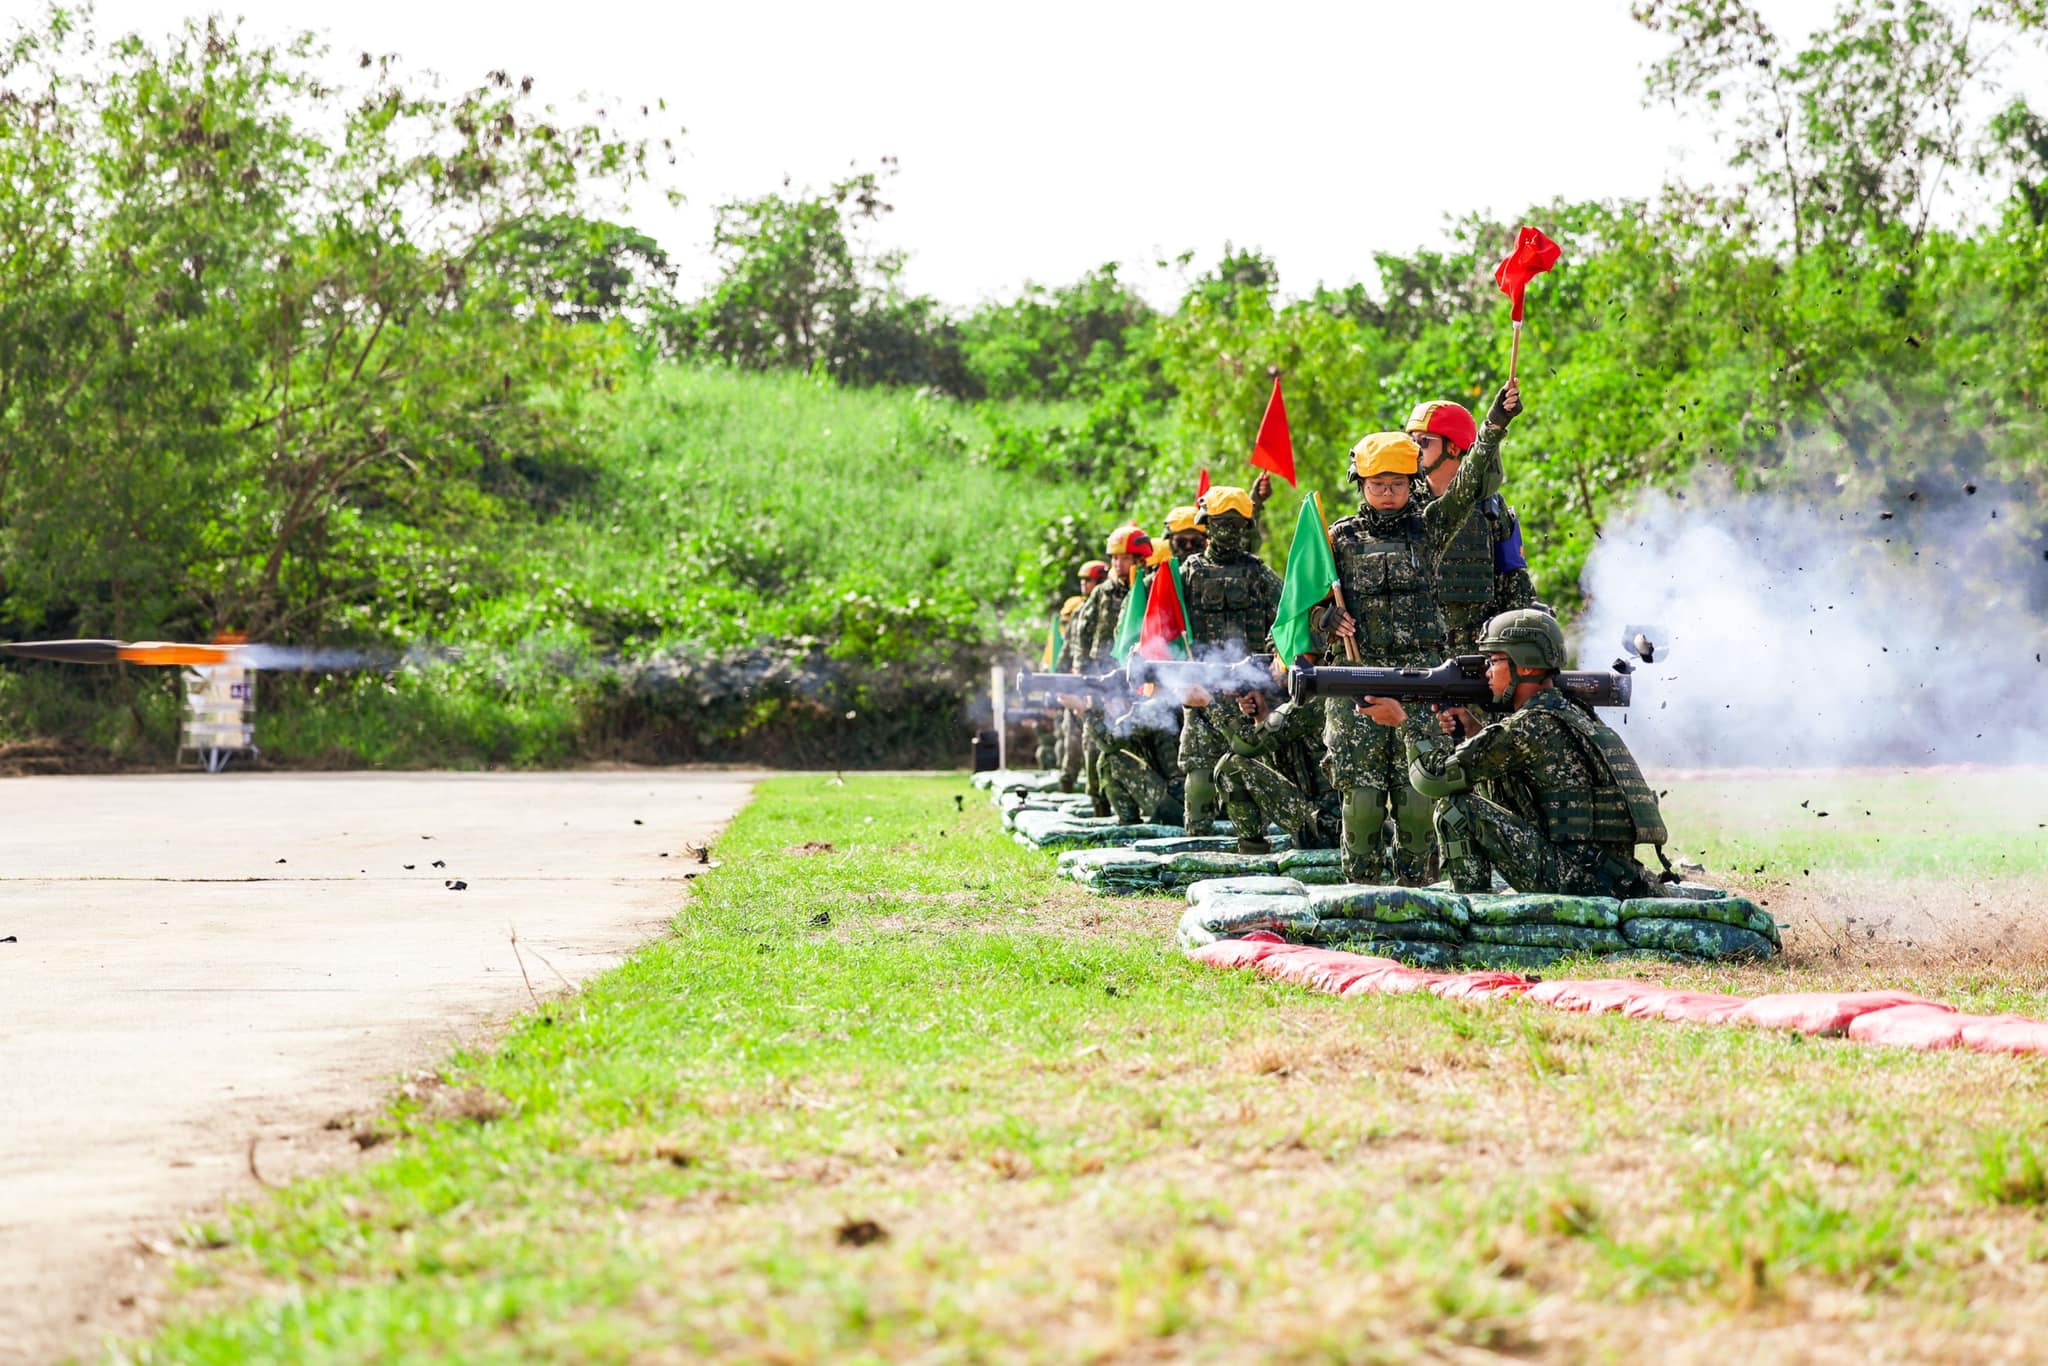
column 1529, row 638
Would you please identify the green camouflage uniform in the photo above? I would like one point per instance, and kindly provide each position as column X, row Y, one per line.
column 1483, row 571
column 1071, row 747
column 1389, row 565
column 1088, row 652
column 1231, row 596
column 1140, row 766
column 1274, row 775
column 1569, row 804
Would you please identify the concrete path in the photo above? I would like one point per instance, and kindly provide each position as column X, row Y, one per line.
column 200, row 961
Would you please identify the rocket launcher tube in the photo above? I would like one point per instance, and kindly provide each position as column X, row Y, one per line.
column 1177, row 679
column 1104, row 688
column 1458, row 682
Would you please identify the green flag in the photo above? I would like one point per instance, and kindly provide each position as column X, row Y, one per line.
column 1131, row 624
column 1311, row 570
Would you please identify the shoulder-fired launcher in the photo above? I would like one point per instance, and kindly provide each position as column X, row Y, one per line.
column 1457, row 682
column 1093, row 687
column 1175, row 679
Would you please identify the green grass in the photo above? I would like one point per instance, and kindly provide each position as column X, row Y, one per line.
column 1074, row 1144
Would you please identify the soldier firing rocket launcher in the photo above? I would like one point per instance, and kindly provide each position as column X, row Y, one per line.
column 1458, row 682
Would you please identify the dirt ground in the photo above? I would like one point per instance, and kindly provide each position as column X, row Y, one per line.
column 204, row 972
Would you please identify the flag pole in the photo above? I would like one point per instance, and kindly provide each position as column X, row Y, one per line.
column 1515, row 352
column 1336, row 586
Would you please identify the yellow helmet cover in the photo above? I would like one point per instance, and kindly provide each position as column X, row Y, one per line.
column 1384, row 453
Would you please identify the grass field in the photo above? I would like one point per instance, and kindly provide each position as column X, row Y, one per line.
column 891, row 1093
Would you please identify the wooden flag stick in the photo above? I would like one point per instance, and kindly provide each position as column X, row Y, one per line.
column 1515, row 352
column 1336, row 586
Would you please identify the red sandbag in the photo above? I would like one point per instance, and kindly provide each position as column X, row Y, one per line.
column 1236, row 953
column 1819, row 1012
column 1685, row 1007
column 1315, row 968
column 2005, row 1034
column 1912, row 1027
column 1262, row 937
column 1479, row 986
column 1597, row 995
column 1396, row 980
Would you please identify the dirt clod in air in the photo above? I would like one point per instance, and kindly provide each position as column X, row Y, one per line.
column 809, row 847
column 859, row 1233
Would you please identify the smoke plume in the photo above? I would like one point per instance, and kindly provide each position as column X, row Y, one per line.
column 1807, row 632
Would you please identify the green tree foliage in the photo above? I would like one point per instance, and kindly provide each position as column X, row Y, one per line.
column 254, row 364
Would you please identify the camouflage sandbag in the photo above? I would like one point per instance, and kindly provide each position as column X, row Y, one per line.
column 1389, row 905
column 1330, row 930
column 1331, row 876
column 1739, row 911
column 1287, row 916
column 1017, row 780
column 1570, row 938
column 1188, row 844
column 1218, row 889
column 1416, row 953
column 1545, row 908
column 1510, row 957
column 1706, row 939
column 1184, row 870
column 1292, row 859
column 1692, row 891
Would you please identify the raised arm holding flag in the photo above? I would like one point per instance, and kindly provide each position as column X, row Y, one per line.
column 1533, row 255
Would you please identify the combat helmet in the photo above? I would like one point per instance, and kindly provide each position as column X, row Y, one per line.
column 1222, row 499
column 1451, row 421
column 1383, row 453
column 1529, row 638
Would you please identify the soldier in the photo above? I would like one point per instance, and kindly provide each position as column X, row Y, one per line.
column 1388, row 560
column 1069, row 724
column 1484, row 570
column 1274, row 773
column 1141, row 778
column 1184, row 533
column 1573, row 805
column 1089, row 647
column 1230, row 596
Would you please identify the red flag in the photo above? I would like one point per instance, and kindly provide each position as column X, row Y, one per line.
column 1165, row 632
column 1274, row 450
column 1202, row 484
column 1533, row 254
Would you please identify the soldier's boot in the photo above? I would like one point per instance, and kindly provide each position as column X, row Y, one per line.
column 1253, row 845
column 1099, row 805
column 1464, row 861
column 1415, row 837
column 1200, row 817
column 1364, row 856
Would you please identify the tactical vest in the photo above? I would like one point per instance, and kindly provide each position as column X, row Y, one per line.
column 1224, row 603
column 1390, row 588
column 1106, row 604
column 1621, row 809
column 1467, row 570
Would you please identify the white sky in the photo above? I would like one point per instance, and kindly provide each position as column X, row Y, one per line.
column 1038, row 141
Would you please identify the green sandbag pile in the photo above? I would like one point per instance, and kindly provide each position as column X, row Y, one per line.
column 1064, row 803
column 1169, row 864
column 1434, row 927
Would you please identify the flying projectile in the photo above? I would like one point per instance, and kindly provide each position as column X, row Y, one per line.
column 154, row 653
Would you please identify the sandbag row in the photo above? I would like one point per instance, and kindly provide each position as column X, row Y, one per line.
column 1433, row 927
column 1170, row 864
column 1895, row 1018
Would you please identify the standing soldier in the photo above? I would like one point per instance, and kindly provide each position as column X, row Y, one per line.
column 1089, row 647
column 1484, row 571
column 1572, row 804
column 1184, row 532
column 1388, row 562
column 1230, row 596
column 1069, row 725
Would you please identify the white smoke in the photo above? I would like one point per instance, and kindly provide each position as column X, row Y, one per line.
column 1807, row 633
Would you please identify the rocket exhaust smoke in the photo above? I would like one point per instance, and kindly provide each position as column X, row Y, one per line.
column 1807, row 632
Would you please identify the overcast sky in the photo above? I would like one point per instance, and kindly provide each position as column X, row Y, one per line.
column 1037, row 141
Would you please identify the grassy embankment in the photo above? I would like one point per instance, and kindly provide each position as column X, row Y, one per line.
column 722, row 511
column 907, row 1097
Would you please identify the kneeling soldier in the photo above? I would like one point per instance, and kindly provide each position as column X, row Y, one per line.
column 1571, row 806
column 1273, row 774
column 1141, row 777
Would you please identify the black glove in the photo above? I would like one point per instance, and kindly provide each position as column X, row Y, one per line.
column 1501, row 414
